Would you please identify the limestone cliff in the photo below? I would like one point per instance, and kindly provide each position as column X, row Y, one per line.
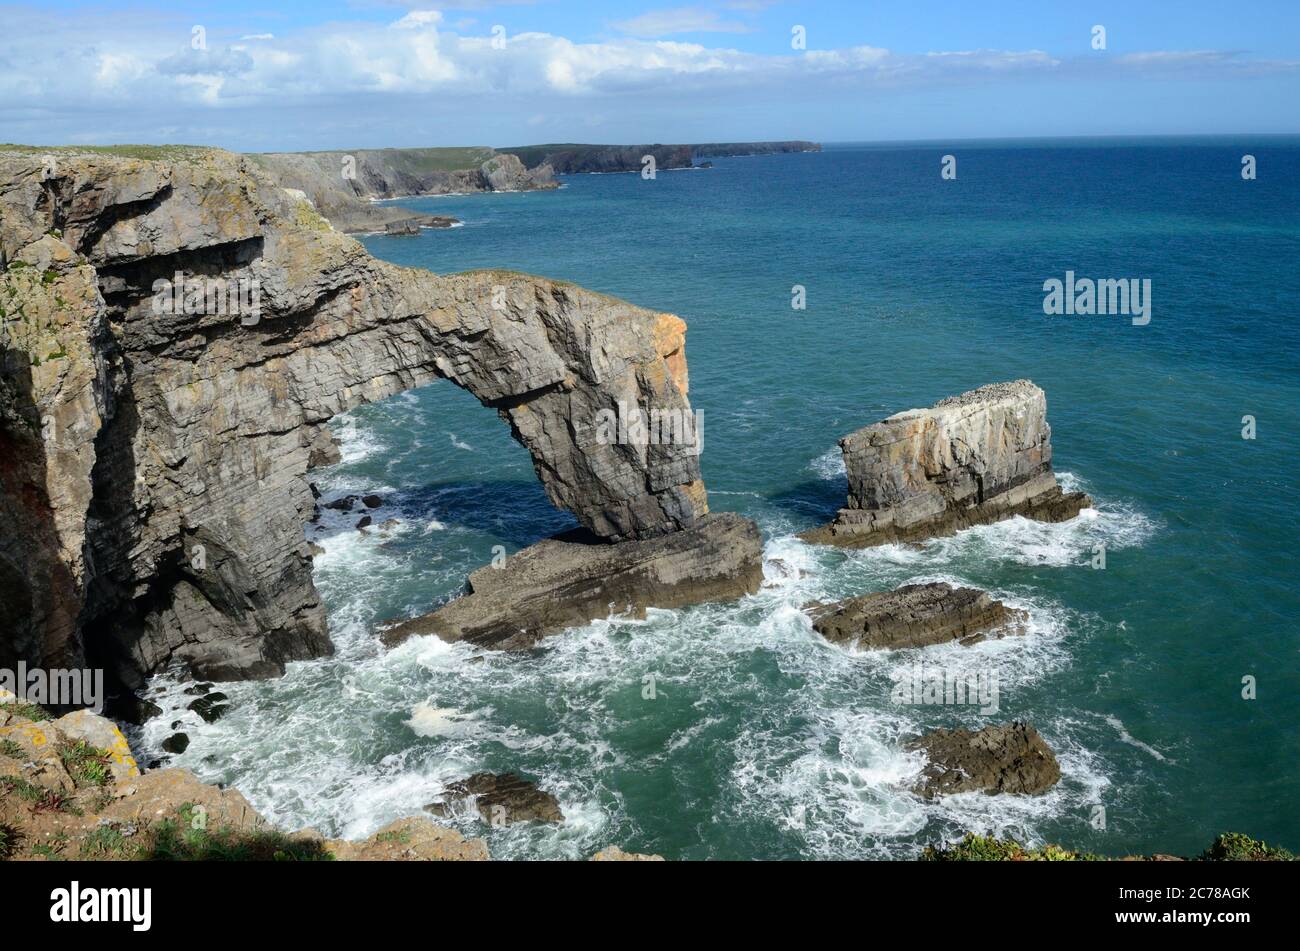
column 343, row 185
column 154, row 442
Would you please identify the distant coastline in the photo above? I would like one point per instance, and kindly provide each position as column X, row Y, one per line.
column 346, row 187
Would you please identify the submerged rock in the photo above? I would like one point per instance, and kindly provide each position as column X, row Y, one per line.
column 969, row 460
column 1007, row 758
column 500, row 799
column 916, row 615
column 571, row 580
column 211, row 708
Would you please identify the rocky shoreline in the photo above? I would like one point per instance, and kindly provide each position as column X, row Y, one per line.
column 154, row 489
column 70, row 789
column 64, row 797
column 605, row 159
column 344, row 186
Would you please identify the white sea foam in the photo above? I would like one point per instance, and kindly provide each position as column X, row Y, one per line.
column 813, row 743
column 1128, row 738
column 356, row 442
column 830, row 464
column 428, row 720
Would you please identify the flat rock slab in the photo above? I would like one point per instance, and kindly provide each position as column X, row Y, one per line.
column 916, row 615
column 1005, row 758
column 571, row 580
column 972, row 459
column 500, row 799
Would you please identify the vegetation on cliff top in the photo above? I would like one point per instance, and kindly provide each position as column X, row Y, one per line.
column 151, row 153
column 1228, row 847
column 411, row 161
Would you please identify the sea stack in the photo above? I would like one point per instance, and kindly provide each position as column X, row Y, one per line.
column 968, row 460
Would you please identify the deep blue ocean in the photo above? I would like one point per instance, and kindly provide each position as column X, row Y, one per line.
column 764, row 741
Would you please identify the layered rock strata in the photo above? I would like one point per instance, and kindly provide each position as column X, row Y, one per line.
column 572, row 580
column 344, row 185
column 969, row 460
column 916, row 615
column 1006, row 758
column 178, row 333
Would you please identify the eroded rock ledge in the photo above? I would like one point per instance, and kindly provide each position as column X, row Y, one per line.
column 569, row 581
column 916, row 615
column 153, row 462
column 969, row 460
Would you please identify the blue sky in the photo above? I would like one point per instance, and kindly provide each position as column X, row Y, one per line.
column 357, row 73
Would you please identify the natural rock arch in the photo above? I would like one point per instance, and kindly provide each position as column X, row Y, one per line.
column 182, row 506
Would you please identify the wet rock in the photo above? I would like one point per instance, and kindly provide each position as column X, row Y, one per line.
column 210, row 708
column 372, row 501
column 364, row 522
column 343, row 504
column 134, row 710
column 1008, row 758
column 176, row 743
column 322, row 450
column 571, row 580
column 916, row 615
column 197, row 690
column 389, row 525
column 972, row 459
column 500, row 799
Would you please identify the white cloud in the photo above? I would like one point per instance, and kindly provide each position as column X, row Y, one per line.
column 679, row 20
column 61, row 76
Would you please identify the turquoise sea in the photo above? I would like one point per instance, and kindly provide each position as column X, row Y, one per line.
column 763, row 741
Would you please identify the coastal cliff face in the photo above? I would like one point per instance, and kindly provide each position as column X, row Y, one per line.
column 155, row 436
column 580, row 159
column 343, row 185
column 970, row 459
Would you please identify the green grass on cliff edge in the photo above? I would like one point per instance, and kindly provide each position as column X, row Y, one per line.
column 407, row 161
column 1228, row 847
column 152, row 153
